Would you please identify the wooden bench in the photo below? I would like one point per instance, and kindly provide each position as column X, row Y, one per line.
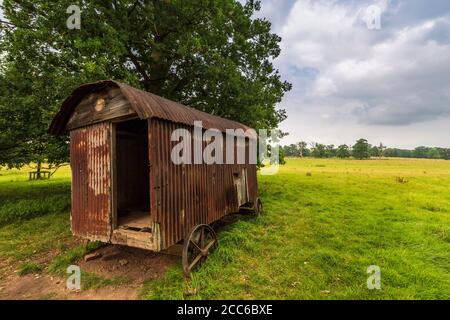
column 34, row 175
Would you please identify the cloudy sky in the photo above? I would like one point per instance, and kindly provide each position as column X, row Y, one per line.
column 352, row 79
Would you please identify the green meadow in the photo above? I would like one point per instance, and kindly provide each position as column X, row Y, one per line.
column 324, row 223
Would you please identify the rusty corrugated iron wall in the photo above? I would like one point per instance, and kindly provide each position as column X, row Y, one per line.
column 90, row 154
column 183, row 196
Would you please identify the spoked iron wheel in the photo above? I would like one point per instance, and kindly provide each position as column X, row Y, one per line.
column 198, row 244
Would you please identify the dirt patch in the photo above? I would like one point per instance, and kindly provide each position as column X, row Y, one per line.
column 32, row 287
column 136, row 265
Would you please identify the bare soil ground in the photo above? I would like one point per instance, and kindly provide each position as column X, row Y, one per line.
column 136, row 265
column 38, row 287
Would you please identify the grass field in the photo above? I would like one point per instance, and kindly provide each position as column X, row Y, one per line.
column 325, row 222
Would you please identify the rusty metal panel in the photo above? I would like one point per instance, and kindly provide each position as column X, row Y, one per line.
column 183, row 196
column 90, row 150
column 146, row 105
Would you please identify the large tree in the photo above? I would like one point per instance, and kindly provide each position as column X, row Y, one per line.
column 302, row 147
column 361, row 149
column 319, row 150
column 24, row 118
column 343, row 151
column 209, row 54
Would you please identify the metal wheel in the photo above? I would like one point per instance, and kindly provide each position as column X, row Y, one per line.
column 201, row 240
column 258, row 207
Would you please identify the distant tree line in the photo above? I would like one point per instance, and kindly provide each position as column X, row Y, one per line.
column 419, row 152
column 362, row 150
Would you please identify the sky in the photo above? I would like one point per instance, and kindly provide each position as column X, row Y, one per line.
column 353, row 78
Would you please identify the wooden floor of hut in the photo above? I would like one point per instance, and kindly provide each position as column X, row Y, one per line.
column 136, row 220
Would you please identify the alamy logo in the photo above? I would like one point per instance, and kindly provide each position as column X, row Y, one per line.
column 74, row 20
column 238, row 147
column 74, row 280
column 374, row 280
column 372, row 17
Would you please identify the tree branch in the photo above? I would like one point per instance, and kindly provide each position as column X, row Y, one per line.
column 14, row 25
column 57, row 167
column 138, row 66
column 133, row 8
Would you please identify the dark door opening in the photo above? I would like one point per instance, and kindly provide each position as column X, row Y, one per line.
column 132, row 169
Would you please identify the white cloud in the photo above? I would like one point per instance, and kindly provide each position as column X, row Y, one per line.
column 396, row 78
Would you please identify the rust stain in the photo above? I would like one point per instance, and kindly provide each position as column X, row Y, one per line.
column 90, row 164
column 183, row 196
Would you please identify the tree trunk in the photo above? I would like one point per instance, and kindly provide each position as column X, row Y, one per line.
column 38, row 170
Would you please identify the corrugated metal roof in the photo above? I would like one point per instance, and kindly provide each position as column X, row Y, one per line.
column 146, row 105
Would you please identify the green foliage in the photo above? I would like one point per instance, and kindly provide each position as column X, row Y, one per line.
column 361, row 149
column 330, row 151
column 210, row 54
column 366, row 151
column 290, row 150
column 431, row 153
column 297, row 150
column 281, row 156
column 303, row 149
column 374, row 151
column 398, row 153
column 27, row 106
column 319, row 151
column 419, row 152
column 343, row 151
column 323, row 151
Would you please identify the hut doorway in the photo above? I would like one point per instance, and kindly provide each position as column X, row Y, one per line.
column 132, row 176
